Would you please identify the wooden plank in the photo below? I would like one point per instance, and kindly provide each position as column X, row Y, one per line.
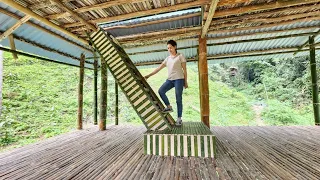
column 14, row 27
column 212, row 10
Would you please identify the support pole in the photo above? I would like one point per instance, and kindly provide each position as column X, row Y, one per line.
column 203, row 81
column 80, row 92
column 103, row 95
column 1, row 78
column 95, row 82
column 315, row 94
column 117, row 105
column 13, row 47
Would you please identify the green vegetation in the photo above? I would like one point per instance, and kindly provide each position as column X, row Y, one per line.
column 40, row 98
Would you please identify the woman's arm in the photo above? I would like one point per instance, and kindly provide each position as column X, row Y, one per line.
column 185, row 74
column 155, row 71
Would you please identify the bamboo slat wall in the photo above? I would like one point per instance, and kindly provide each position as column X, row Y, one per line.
column 191, row 139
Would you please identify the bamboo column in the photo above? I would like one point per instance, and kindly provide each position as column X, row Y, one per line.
column 13, row 47
column 203, row 81
column 103, row 95
column 313, row 66
column 95, row 82
column 80, row 92
column 117, row 104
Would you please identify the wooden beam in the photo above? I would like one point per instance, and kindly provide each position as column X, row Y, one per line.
column 14, row 27
column 166, row 33
column 243, row 17
column 133, row 44
column 218, row 31
column 276, row 20
column 13, row 47
column 75, row 15
column 152, row 11
column 308, row 41
column 106, row 5
column 203, row 81
column 45, row 30
column 212, row 10
column 261, row 7
column 152, row 37
column 37, row 57
column 42, row 20
column 230, row 42
column 154, row 22
column 130, row 15
column 22, row 39
column 241, row 54
column 40, row 5
column 59, row 16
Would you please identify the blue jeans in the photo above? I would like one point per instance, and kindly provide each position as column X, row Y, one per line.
column 166, row 86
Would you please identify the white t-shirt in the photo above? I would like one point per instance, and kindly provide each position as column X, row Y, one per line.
column 174, row 65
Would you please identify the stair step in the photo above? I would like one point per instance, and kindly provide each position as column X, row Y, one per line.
column 131, row 82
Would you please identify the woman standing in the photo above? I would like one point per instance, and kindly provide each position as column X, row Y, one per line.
column 177, row 78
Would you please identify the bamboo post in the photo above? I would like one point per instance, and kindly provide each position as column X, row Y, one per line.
column 313, row 66
column 203, row 81
column 103, row 95
column 117, row 105
column 95, row 82
column 13, row 47
column 1, row 78
column 80, row 92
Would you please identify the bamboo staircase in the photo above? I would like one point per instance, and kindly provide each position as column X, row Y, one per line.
column 138, row 92
column 162, row 137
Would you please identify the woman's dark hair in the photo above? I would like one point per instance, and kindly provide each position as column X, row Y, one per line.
column 172, row 43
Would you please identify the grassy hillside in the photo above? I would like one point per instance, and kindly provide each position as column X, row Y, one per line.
column 40, row 101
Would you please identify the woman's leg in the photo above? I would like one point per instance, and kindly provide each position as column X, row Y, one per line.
column 178, row 84
column 166, row 86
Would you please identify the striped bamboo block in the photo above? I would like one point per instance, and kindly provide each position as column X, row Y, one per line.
column 192, row 139
column 138, row 92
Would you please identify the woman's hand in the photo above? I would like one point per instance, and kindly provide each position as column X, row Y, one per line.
column 146, row 77
column 186, row 85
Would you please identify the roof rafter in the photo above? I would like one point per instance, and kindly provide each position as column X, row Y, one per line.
column 43, row 29
column 172, row 33
column 212, row 10
column 154, row 22
column 37, row 57
column 241, row 54
column 261, row 7
column 232, row 42
column 148, row 12
column 42, row 20
column 47, row 48
column 75, row 15
column 271, row 21
column 264, row 14
column 131, row 44
column 14, row 27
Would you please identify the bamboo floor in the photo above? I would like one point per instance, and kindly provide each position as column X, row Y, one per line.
column 117, row 153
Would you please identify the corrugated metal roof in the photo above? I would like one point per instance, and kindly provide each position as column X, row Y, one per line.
column 35, row 35
column 188, row 22
column 236, row 47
